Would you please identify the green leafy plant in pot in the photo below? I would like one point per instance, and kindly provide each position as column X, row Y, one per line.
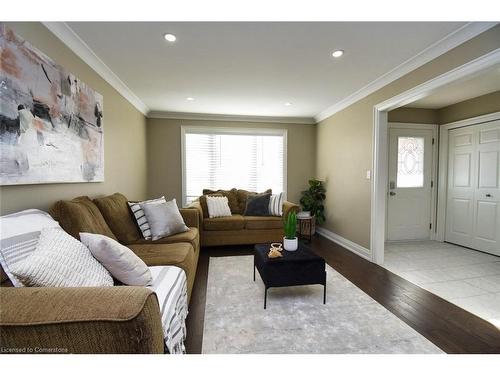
column 290, row 241
column 313, row 198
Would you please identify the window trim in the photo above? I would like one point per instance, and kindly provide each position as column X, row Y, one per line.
column 235, row 131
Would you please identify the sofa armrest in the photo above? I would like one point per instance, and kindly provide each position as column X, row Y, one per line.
column 118, row 319
column 191, row 217
column 197, row 206
column 289, row 207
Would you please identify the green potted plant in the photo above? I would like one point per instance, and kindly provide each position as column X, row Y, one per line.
column 312, row 200
column 290, row 241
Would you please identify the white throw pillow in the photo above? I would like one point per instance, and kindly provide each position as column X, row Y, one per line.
column 119, row 260
column 164, row 218
column 218, row 206
column 19, row 234
column 276, row 204
column 59, row 260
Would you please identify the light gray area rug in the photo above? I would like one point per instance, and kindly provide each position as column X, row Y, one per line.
column 296, row 321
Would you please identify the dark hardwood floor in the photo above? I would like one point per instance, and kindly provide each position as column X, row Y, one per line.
column 449, row 327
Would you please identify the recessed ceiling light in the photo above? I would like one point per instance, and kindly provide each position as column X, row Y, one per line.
column 170, row 38
column 288, row 104
column 190, row 98
column 337, row 53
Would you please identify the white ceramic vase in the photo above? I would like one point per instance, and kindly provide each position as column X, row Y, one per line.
column 290, row 245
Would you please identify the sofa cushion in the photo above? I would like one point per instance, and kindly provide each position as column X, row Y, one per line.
column 176, row 254
column 115, row 210
column 204, row 205
column 234, row 222
column 242, row 198
column 257, row 205
column 80, row 215
column 190, row 236
column 232, row 200
column 155, row 254
column 19, row 234
column 123, row 264
column 59, row 260
column 263, row 222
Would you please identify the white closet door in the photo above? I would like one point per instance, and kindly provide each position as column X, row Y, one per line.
column 473, row 208
column 487, row 194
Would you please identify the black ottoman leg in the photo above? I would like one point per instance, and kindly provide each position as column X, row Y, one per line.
column 265, row 298
column 324, row 293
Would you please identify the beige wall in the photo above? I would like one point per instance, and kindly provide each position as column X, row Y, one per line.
column 481, row 105
column 124, row 136
column 414, row 115
column 344, row 142
column 164, row 154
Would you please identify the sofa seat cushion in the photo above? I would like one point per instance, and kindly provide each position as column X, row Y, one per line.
column 80, row 215
column 233, row 222
column 171, row 254
column 115, row 210
column 180, row 254
column 263, row 222
column 191, row 236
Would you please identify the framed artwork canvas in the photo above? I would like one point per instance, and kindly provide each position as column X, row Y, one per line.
column 51, row 123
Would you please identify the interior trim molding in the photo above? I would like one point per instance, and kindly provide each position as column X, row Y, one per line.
column 345, row 243
column 221, row 117
column 62, row 31
column 459, row 36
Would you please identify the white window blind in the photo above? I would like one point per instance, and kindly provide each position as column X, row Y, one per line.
column 247, row 159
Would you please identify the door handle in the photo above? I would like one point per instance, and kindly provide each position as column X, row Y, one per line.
column 488, row 195
column 392, row 193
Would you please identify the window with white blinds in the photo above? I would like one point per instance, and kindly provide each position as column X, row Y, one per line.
column 250, row 159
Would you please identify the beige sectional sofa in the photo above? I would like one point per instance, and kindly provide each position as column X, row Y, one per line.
column 119, row 319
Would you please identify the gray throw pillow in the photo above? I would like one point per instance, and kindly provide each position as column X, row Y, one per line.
column 164, row 218
column 258, row 205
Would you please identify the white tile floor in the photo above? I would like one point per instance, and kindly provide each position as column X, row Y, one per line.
column 469, row 279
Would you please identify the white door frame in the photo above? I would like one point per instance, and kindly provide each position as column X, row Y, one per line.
column 443, row 165
column 380, row 143
column 434, row 166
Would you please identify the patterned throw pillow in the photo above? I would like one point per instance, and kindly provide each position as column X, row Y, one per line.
column 218, row 206
column 19, row 234
column 276, row 204
column 140, row 216
column 60, row 260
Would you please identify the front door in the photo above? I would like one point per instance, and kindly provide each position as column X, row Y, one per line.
column 410, row 175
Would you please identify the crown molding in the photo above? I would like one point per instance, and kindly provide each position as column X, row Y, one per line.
column 221, row 117
column 452, row 40
column 62, row 31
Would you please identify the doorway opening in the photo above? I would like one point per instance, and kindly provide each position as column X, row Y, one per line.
column 380, row 181
column 436, row 186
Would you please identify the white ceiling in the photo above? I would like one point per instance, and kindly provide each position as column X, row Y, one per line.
column 254, row 68
column 479, row 84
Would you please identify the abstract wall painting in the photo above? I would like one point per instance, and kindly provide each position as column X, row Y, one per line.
column 51, row 123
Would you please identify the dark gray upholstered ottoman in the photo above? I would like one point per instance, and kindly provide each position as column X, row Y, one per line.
column 301, row 267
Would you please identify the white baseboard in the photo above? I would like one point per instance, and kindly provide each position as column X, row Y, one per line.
column 344, row 242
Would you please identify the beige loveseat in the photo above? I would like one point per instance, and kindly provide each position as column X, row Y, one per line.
column 238, row 229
